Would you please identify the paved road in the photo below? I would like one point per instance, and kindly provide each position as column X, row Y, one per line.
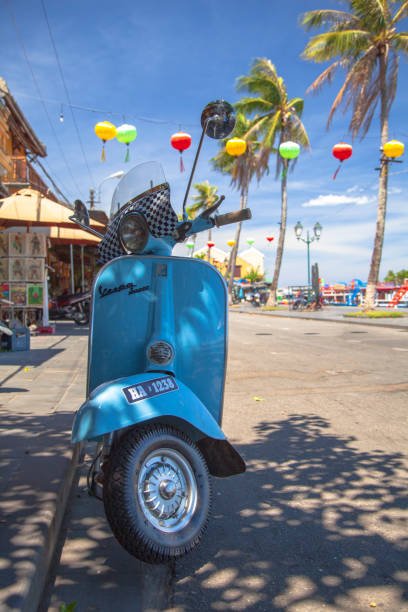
column 319, row 520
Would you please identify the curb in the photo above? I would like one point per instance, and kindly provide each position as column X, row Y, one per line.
column 324, row 320
column 32, row 579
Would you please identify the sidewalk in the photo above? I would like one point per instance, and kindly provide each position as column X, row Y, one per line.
column 334, row 314
column 40, row 390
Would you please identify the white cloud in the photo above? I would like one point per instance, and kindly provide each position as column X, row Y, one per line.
column 337, row 200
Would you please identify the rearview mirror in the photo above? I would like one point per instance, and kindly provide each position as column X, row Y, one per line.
column 218, row 119
column 81, row 213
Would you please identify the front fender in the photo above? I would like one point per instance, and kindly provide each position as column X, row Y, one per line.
column 107, row 409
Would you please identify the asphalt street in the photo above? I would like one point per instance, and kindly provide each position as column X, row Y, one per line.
column 319, row 520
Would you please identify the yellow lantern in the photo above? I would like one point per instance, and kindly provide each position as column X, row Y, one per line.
column 235, row 146
column 105, row 131
column 231, row 243
column 393, row 148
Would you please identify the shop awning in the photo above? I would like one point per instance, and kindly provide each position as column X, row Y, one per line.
column 63, row 235
column 29, row 207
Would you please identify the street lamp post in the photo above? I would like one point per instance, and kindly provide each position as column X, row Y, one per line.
column 117, row 175
column 317, row 229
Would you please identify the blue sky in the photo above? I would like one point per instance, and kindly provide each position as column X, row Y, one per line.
column 164, row 61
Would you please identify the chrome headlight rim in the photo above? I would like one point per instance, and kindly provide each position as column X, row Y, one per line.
column 142, row 224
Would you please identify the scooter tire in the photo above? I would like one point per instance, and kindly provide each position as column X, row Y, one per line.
column 140, row 467
column 81, row 319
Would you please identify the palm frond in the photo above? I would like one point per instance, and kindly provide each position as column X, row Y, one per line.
column 354, row 90
column 319, row 18
column 253, row 105
column 326, row 75
column 400, row 14
column 297, row 104
column 327, row 46
column 399, row 42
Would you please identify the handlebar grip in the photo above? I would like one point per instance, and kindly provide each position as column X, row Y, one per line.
column 233, row 217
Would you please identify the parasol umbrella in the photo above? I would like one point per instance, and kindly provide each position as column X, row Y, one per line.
column 29, row 207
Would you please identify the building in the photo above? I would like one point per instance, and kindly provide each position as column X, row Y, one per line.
column 19, row 147
column 248, row 260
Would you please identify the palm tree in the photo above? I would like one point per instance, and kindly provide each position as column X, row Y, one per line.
column 241, row 169
column 365, row 44
column 206, row 197
column 278, row 121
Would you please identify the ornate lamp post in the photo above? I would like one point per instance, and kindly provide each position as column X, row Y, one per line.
column 317, row 230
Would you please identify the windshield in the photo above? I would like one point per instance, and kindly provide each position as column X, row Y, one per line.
column 138, row 180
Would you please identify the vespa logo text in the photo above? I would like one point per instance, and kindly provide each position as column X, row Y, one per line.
column 132, row 288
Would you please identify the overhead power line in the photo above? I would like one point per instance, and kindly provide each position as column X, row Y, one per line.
column 39, row 94
column 100, row 111
column 66, row 91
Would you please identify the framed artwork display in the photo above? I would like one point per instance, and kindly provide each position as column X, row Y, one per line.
column 35, row 270
column 36, row 245
column 17, row 244
column 4, row 269
column 5, row 291
column 4, row 244
column 18, row 295
column 17, row 269
column 35, row 295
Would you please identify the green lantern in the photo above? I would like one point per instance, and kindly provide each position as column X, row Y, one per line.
column 289, row 150
column 250, row 241
column 126, row 133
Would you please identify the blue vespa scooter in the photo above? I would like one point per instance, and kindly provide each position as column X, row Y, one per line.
column 157, row 362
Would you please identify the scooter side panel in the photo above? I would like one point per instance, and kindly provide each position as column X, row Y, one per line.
column 108, row 409
column 123, row 323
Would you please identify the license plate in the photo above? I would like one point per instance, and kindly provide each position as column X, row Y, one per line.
column 149, row 388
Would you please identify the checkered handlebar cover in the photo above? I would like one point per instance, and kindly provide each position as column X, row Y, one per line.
column 155, row 206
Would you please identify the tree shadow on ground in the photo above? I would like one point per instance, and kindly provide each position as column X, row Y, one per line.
column 313, row 524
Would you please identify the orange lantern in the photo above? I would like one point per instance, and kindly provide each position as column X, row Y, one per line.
column 235, row 146
column 105, row 131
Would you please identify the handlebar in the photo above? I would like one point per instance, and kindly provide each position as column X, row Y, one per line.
column 233, row 217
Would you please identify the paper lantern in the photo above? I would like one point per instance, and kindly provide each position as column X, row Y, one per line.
column 105, row 131
column 250, row 241
column 393, row 149
column 341, row 151
column 126, row 133
column 289, row 149
column 270, row 238
column 181, row 141
column 190, row 245
column 231, row 243
column 235, row 146
column 210, row 244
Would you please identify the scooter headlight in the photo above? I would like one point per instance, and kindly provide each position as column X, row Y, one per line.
column 133, row 232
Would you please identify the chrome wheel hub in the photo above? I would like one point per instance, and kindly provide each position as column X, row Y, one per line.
column 167, row 490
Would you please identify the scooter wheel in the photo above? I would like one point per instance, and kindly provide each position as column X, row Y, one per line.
column 81, row 319
column 157, row 493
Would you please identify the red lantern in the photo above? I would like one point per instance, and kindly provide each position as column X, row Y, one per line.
column 210, row 244
column 270, row 238
column 181, row 141
column 341, row 151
